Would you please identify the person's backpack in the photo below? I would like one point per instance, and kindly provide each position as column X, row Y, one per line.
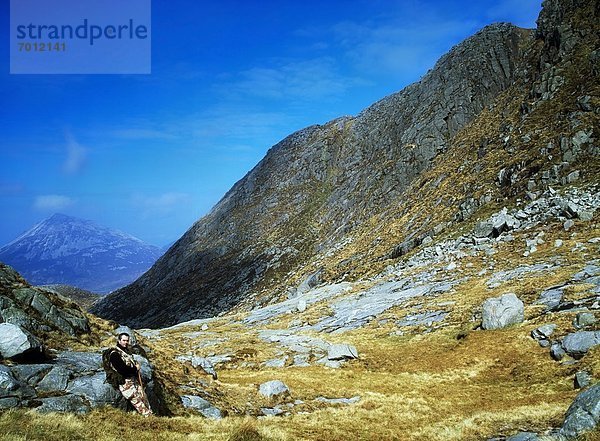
column 112, row 376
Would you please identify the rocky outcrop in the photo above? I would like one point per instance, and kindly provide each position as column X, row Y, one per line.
column 65, row 382
column 35, row 310
column 295, row 202
column 38, row 376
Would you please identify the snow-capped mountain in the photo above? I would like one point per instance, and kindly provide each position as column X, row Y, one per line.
column 67, row 250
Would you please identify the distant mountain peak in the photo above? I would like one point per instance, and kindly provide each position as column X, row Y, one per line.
column 64, row 249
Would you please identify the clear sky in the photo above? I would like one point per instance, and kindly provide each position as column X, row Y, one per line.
column 151, row 154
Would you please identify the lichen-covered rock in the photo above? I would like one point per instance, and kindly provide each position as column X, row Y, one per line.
column 578, row 343
column 342, row 352
column 502, row 311
column 584, row 414
column 201, row 405
column 63, row 403
column 15, row 341
column 274, row 389
column 94, row 389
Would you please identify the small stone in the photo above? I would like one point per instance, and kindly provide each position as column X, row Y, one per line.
column 301, row 306
column 568, row 224
column 583, row 319
column 558, row 243
column 201, row 405
column 573, row 176
column 557, row 352
column 582, row 379
column 204, row 327
column 543, row 332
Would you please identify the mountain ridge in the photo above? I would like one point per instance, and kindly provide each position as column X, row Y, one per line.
column 308, row 212
column 67, row 250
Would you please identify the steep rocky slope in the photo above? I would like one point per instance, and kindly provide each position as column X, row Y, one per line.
column 314, row 186
column 67, row 250
column 502, row 116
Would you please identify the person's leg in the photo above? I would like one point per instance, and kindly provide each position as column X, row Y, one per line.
column 134, row 393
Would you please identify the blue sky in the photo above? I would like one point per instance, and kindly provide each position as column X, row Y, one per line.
column 151, row 154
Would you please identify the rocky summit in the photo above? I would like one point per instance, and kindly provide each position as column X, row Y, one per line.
column 70, row 251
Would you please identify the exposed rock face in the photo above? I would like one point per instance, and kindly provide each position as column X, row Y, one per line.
column 278, row 214
column 50, row 380
column 15, row 341
column 36, row 310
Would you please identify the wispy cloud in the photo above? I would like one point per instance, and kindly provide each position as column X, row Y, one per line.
column 160, row 204
column 397, row 47
column 52, row 202
column 237, row 122
column 304, row 80
column 76, row 156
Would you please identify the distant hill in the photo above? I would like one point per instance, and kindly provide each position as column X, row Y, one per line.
column 71, row 251
column 83, row 298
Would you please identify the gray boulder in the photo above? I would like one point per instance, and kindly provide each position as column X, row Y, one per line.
column 15, row 341
column 341, row 352
column 584, row 414
column 205, row 365
column 557, row 352
column 8, row 403
column 502, row 311
column 582, row 379
column 80, row 362
column 31, row 373
column 583, row 319
column 12, row 314
column 55, row 381
column 273, row 389
column 201, row 405
column 64, row 403
column 578, row 343
column 8, row 383
column 94, row 389
column 543, row 332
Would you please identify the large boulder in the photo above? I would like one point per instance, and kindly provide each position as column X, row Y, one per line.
column 64, row 403
column 341, row 352
column 94, row 389
column 584, row 414
column 274, row 389
column 578, row 343
column 503, row 311
column 56, row 380
column 15, row 342
column 201, row 405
